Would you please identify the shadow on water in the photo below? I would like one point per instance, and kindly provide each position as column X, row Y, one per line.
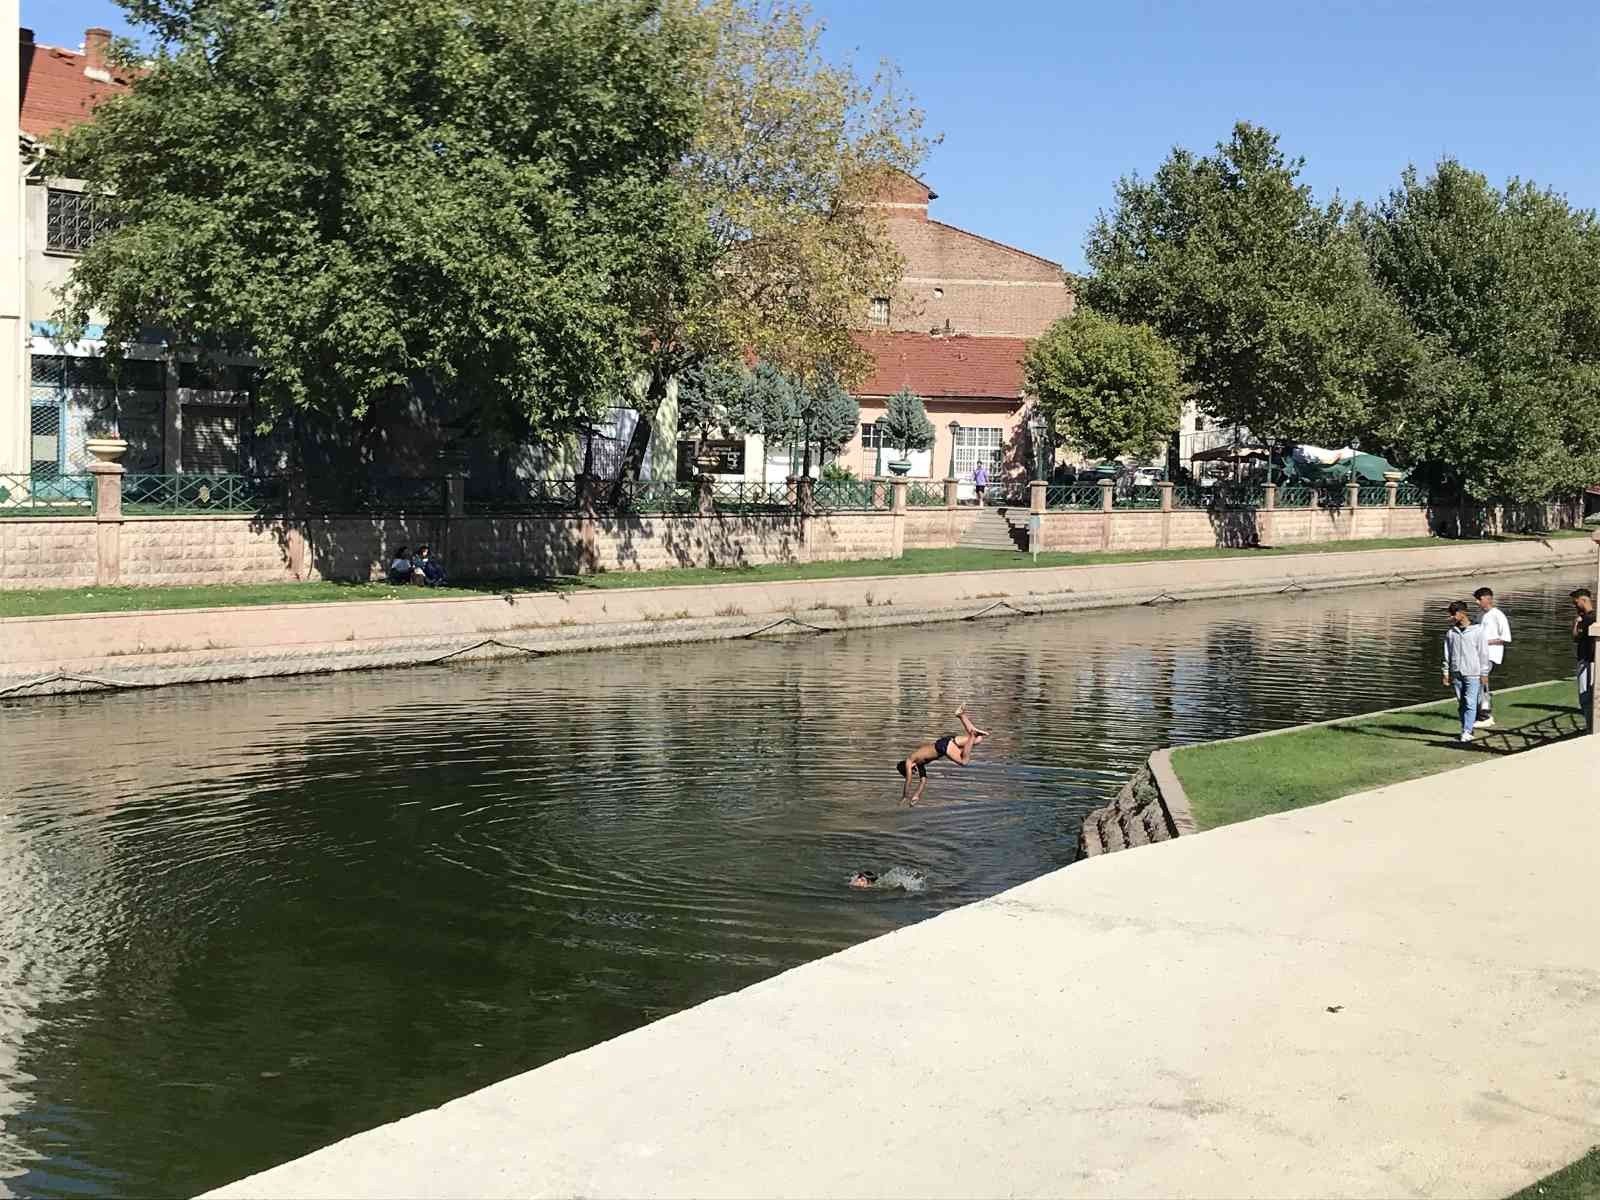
column 240, row 921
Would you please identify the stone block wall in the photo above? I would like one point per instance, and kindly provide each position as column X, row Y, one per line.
column 645, row 543
column 45, row 553
column 159, row 551
column 840, row 536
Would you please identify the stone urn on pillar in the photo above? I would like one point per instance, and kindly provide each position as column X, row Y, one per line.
column 107, row 472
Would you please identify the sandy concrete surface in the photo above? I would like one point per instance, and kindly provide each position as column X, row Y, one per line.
column 1393, row 994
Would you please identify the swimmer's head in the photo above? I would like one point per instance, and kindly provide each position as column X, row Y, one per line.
column 863, row 879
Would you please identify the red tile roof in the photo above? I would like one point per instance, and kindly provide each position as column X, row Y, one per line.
column 56, row 94
column 978, row 367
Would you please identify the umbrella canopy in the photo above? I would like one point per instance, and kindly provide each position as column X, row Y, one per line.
column 1229, row 454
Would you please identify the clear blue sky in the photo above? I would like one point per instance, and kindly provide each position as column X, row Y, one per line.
column 1044, row 103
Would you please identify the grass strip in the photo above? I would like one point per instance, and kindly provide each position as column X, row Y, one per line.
column 1237, row 780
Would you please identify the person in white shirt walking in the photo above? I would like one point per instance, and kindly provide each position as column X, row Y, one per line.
column 1496, row 637
column 1464, row 664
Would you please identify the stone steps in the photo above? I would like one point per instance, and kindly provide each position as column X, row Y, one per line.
column 991, row 530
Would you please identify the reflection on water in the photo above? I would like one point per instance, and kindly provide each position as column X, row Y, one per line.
column 240, row 921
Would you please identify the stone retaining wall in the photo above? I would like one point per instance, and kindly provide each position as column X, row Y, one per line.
column 142, row 550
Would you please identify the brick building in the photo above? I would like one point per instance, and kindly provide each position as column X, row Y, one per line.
column 955, row 333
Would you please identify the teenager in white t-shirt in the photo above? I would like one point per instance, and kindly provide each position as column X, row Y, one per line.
column 1496, row 637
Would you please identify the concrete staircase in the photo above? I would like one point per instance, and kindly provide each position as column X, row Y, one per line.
column 992, row 530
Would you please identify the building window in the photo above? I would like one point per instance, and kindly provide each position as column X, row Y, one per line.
column 878, row 314
column 872, row 436
column 979, row 444
column 72, row 221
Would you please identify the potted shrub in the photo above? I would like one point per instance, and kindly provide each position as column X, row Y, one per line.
column 905, row 424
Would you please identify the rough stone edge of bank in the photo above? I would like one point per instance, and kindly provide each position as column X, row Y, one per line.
column 1154, row 807
column 162, row 670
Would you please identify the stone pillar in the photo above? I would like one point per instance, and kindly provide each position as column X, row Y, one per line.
column 1352, row 503
column 806, row 496
column 107, row 472
column 1107, row 503
column 1391, row 496
column 1166, row 487
column 1166, row 513
column 588, row 525
column 705, row 496
column 951, row 486
column 897, row 516
column 455, row 510
column 297, row 524
column 1266, row 519
column 1037, row 495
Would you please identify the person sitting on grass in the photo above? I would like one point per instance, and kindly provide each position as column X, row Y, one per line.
column 957, row 748
column 401, row 568
column 430, row 568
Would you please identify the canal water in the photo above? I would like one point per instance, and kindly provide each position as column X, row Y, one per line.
column 240, row 921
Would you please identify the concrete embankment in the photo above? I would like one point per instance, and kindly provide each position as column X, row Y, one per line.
column 44, row 655
column 1390, row 994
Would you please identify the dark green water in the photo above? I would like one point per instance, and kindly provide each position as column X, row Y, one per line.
column 238, row 922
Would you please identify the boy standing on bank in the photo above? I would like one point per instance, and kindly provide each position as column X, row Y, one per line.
column 1496, row 637
column 1465, row 665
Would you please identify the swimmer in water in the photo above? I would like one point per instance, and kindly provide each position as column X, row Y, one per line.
column 907, row 879
column 863, row 879
column 956, row 747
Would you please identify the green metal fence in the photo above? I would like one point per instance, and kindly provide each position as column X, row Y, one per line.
column 152, row 495
column 833, row 494
column 1410, row 496
column 1295, row 496
column 1084, row 497
column 46, row 495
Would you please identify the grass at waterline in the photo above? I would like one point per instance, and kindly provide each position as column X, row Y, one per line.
column 57, row 601
column 1238, row 780
column 1580, row 1181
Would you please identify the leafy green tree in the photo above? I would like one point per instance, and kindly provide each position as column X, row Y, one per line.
column 1504, row 287
column 905, row 422
column 1106, row 388
column 1266, row 294
column 775, row 242
column 373, row 198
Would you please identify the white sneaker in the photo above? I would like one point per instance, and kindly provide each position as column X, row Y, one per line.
column 1482, row 721
column 1465, row 737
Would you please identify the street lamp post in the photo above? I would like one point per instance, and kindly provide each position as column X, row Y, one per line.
column 1037, row 428
column 805, row 458
column 955, row 429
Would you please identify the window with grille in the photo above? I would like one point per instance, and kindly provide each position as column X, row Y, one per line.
column 979, row 444
column 878, row 313
column 872, row 436
column 72, row 221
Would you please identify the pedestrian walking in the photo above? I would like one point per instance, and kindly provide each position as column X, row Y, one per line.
column 1496, row 637
column 980, row 481
column 1583, row 648
column 1464, row 665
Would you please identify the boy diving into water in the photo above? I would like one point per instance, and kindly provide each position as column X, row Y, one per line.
column 957, row 748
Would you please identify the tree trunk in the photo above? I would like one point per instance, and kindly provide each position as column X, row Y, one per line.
column 639, row 444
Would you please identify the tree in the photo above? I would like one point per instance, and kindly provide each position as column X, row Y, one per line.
column 708, row 392
column 835, row 416
column 371, row 198
column 1106, row 388
column 1504, row 288
column 766, row 406
column 905, row 422
column 775, row 219
column 1267, row 295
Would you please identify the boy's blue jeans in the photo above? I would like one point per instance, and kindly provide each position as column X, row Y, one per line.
column 1467, row 699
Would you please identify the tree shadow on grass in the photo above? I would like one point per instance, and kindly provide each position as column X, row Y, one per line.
column 1545, row 731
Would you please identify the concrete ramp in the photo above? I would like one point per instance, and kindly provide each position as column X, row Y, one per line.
column 1394, row 994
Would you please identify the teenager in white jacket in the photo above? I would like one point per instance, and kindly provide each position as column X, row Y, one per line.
column 1496, row 637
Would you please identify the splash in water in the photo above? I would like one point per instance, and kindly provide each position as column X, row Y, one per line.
column 907, row 879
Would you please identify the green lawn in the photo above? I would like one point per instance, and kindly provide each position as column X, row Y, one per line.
column 49, row 602
column 1235, row 781
column 1580, row 1181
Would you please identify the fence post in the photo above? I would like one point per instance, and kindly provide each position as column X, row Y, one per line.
column 950, row 490
column 1266, row 518
column 1352, row 503
column 805, row 496
column 1037, row 501
column 1391, row 500
column 455, row 508
column 897, row 517
column 1107, row 503
column 108, row 473
column 296, row 522
column 588, row 527
column 705, row 495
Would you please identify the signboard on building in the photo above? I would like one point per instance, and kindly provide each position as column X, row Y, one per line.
column 710, row 458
